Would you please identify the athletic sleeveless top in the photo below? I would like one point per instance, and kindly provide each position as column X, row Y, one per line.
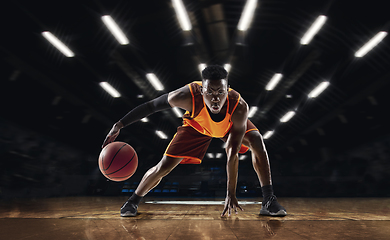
column 199, row 118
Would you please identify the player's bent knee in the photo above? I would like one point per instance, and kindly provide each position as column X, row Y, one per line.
column 254, row 139
column 166, row 165
column 161, row 170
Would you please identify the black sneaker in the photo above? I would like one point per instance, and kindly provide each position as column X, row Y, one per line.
column 272, row 208
column 129, row 209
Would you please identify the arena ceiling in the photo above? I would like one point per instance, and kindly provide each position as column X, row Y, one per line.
column 61, row 97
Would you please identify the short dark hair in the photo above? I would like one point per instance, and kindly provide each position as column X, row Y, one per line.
column 214, row 72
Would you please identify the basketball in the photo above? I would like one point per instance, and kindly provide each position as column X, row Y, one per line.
column 118, row 161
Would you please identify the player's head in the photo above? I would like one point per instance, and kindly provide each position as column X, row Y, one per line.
column 214, row 72
column 214, row 87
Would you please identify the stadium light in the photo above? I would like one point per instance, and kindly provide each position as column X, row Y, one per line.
column 110, row 89
column 287, row 116
column 177, row 112
column 182, row 15
column 161, row 134
column 318, row 90
column 313, row 30
column 115, row 30
column 247, row 15
column 273, row 82
column 252, row 111
column 227, row 67
column 201, row 67
column 58, row 44
column 371, row 44
column 154, row 81
column 268, row 134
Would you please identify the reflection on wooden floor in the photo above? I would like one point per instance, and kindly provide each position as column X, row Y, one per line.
column 98, row 218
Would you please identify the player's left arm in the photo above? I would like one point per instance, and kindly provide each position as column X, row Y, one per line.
column 233, row 145
column 181, row 97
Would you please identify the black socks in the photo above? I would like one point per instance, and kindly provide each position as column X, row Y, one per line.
column 135, row 199
column 268, row 191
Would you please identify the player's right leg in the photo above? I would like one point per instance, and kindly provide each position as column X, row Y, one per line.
column 151, row 179
column 261, row 165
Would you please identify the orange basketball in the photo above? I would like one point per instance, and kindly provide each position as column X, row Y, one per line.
column 118, row 161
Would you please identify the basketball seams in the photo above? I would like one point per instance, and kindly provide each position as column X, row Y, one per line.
column 114, row 156
column 121, row 178
column 122, row 166
column 118, row 157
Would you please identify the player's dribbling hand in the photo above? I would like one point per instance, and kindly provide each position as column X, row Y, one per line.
column 231, row 203
column 114, row 132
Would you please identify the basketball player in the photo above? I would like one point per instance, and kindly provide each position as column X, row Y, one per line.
column 213, row 110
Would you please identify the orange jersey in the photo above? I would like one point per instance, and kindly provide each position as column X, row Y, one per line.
column 193, row 138
column 199, row 118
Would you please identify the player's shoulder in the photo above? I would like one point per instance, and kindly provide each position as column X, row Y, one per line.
column 181, row 93
column 240, row 114
column 242, row 106
column 196, row 83
column 181, row 97
column 195, row 87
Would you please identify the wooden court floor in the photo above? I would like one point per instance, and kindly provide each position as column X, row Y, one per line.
column 98, row 218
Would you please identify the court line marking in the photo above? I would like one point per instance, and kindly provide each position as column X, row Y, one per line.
column 200, row 202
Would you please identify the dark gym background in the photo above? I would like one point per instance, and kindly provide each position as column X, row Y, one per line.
column 54, row 115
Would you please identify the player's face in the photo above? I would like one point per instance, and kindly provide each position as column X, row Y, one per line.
column 214, row 94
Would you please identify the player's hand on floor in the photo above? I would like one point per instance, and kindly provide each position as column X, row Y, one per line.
column 112, row 135
column 231, row 203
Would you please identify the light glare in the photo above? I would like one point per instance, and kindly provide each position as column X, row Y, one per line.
column 161, row 134
column 371, row 44
column 268, row 134
column 145, row 119
column 182, row 15
column 177, row 112
column 58, row 44
column 154, row 81
column 313, row 30
column 252, row 111
column 111, row 90
column 287, row 116
column 201, row 67
column 115, row 30
column 247, row 15
column 273, row 82
column 318, row 90
column 227, row 67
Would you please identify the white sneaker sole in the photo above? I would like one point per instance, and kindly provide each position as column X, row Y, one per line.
column 280, row 213
column 128, row 214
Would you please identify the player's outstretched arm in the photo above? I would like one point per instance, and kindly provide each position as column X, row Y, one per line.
column 139, row 112
column 233, row 146
column 177, row 98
